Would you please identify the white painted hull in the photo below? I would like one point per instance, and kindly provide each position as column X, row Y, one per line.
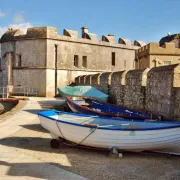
column 149, row 140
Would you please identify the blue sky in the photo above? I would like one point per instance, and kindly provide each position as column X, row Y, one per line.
column 146, row 20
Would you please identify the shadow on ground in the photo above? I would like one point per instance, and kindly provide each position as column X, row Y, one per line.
column 35, row 127
column 84, row 161
column 35, row 169
column 49, row 104
column 33, row 111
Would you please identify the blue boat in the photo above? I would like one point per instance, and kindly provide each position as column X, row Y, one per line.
column 94, row 107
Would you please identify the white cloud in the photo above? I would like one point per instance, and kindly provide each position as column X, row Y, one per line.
column 22, row 26
column 18, row 18
column 2, row 14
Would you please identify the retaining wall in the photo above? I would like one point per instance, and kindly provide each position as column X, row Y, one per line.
column 155, row 90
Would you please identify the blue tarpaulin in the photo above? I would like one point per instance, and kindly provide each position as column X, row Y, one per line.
column 82, row 91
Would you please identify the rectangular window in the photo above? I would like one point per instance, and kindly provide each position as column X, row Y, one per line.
column 113, row 58
column 76, row 60
column 167, row 62
column 124, row 63
column 18, row 60
column 84, row 61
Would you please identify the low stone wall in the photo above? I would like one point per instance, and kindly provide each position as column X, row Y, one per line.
column 134, row 89
column 156, row 91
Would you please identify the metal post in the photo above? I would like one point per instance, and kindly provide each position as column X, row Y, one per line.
column 3, row 93
column 7, row 92
column 56, row 50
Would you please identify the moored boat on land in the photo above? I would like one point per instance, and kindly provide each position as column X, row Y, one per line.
column 82, row 91
column 94, row 107
column 101, row 132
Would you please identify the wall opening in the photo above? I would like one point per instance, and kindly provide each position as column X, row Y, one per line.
column 76, row 60
column 0, row 64
column 84, row 61
column 124, row 63
column 113, row 59
column 18, row 60
column 166, row 63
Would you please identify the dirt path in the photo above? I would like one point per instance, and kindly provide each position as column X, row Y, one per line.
column 33, row 140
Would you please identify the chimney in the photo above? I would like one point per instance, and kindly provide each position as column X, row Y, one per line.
column 84, row 30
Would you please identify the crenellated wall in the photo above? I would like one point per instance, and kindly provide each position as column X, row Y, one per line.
column 155, row 90
column 134, row 89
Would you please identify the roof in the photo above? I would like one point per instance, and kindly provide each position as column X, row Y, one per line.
column 168, row 38
column 9, row 35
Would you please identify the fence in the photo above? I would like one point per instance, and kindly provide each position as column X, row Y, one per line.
column 18, row 91
column 3, row 92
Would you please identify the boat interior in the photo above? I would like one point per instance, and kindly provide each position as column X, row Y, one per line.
column 112, row 123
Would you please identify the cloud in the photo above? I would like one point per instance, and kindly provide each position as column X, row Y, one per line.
column 2, row 14
column 22, row 26
column 18, row 18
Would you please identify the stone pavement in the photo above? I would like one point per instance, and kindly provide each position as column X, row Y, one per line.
column 15, row 165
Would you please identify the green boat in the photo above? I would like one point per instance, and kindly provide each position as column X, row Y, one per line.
column 82, row 91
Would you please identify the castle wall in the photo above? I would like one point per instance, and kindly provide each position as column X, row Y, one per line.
column 64, row 77
column 33, row 53
column 117, row 84
column 35, row 78
column 98, row 57
column 156, row 91
column 134, row 89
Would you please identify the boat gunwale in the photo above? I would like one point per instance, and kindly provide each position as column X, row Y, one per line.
column 106, row 113
column 108, row 128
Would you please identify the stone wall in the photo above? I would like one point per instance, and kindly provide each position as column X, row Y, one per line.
column 22, row 79
column 134, row 89
column 156, row 91
column 117, row 87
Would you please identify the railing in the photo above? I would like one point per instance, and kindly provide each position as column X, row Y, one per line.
column 3, row 92
column 18, row 91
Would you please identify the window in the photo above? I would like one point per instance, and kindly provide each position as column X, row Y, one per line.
column 167, row 62
column 124, row 63
column 84, row 61
column 76, row 60
column 18, row 60
column 113, row 58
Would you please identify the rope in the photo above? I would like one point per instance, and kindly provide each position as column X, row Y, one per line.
column 76, row 144
column 59, row 129
column 92, row 131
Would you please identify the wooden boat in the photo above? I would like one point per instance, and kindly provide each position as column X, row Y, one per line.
column 94, row 107
column 82, row 91
column 101, row 132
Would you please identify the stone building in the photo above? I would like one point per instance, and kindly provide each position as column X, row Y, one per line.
column 166, row 52
column 45, row 60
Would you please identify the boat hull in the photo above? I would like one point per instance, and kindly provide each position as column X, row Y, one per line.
column 103, row 110
column 167, row 140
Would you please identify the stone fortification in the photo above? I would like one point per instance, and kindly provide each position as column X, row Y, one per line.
column 68, row 35
column 156, row 90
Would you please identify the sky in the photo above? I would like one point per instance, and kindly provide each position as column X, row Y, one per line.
column 145, row 20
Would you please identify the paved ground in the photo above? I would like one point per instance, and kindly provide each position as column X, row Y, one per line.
column 25, row 153
column 17, row 165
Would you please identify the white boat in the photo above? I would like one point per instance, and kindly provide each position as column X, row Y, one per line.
column 102, row 132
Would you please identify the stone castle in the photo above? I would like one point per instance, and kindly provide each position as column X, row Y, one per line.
column 45, row 60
